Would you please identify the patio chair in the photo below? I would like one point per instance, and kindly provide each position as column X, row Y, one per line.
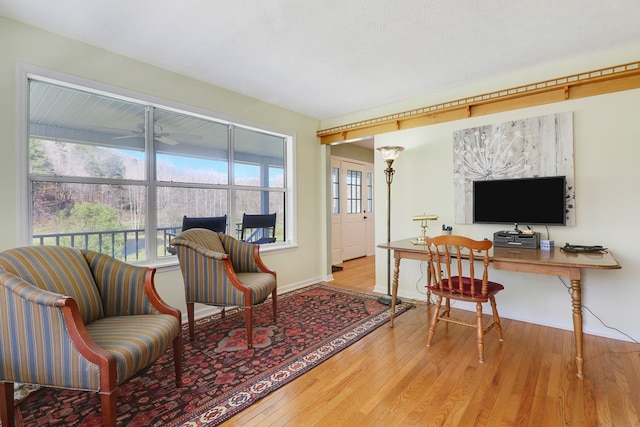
column 259, row 228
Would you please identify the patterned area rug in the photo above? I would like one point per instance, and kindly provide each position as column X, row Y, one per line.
column 221, row 377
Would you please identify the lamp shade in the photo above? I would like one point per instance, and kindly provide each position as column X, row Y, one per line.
column 390, row 152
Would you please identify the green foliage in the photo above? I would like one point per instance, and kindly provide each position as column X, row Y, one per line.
column 93, row 217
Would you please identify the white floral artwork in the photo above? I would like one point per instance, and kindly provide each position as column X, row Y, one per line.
column 533, row 147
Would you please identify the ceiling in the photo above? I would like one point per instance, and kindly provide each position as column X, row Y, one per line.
column 326, row 58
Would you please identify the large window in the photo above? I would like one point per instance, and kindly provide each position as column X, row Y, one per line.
column 117, row 174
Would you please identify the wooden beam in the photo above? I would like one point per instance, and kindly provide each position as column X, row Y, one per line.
column 592, row 83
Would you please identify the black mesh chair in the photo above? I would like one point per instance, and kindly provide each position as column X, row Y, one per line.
column 213, row 223
column 258, row 229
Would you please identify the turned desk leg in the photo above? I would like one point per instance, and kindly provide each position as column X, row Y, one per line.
column 394, row 288
column 576, row 301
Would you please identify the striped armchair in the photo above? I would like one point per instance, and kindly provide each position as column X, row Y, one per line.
column 221, row 270
column 78, row 319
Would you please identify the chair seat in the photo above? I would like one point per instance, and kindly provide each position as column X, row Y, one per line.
column 135, row 341
column 261, row 285
column 452, row 285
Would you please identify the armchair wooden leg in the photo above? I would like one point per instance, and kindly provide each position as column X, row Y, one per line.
column 177, row 359
column 6, row 404
column 190, row 318
column 274, row 297
column 480, row 332
column 248, row 319
column 108, row 404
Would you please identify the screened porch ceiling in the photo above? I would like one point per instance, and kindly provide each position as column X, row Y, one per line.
column 64, row 114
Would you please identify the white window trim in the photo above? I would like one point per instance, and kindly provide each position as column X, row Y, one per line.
column 23, row 197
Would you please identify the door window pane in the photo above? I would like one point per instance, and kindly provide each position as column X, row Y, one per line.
column 369, row 192
column 354, row 191
column 335, row 190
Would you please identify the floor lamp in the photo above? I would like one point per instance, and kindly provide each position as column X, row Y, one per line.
column 389, row 154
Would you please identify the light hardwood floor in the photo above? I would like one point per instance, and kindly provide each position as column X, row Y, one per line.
column 391, row 378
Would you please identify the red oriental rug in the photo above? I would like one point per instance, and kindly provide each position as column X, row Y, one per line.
column 220, row 376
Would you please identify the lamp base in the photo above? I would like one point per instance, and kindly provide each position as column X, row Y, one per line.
column 387, row 299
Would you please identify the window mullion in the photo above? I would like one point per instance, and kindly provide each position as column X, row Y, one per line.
column 233, row 197
column 150, row 184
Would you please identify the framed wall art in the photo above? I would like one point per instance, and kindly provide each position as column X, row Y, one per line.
column 538, row 146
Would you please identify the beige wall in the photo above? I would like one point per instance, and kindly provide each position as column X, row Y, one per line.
column 607, row 176
column 351, row 151
column 22, row 44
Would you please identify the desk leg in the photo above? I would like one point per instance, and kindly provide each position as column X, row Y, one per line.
column 576, row 301
column 394, row 288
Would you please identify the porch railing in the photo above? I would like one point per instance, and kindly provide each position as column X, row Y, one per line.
column 126, row 245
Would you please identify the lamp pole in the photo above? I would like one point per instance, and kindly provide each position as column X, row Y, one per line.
column 389, row 154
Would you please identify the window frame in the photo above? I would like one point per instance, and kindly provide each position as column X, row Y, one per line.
column 24, row 224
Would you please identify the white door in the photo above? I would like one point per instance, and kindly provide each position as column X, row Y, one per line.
column 356, row 218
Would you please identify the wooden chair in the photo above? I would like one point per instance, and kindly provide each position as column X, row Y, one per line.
column 81, row 320
column 223, row 271
column 453, row 277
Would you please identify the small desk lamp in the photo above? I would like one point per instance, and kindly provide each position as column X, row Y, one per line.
column 389, row 154
column 422, row 239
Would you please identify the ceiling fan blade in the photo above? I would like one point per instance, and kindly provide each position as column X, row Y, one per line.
column 167, row 140
column 126, row 136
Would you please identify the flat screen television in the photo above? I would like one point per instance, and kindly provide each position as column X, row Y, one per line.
column 526, row 201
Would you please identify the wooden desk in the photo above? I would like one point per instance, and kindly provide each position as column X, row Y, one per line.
column 554, row 262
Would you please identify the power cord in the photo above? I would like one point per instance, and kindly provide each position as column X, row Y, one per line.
column 546, row 226
column 569, row 290
column 420, row 280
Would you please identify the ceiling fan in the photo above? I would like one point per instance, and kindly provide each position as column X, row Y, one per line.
column 164, row 137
